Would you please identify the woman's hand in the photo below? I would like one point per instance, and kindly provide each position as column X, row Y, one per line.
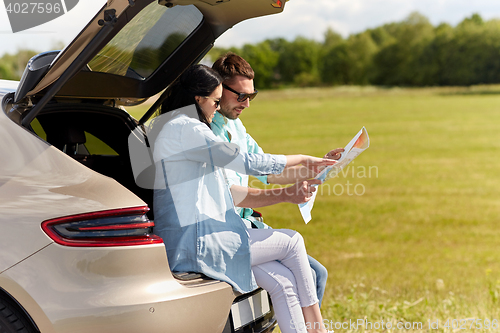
column 316, row 164
column 318, row 161
column 333, row 154
column 308, row 161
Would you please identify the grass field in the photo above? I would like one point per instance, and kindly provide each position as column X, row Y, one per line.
column 409, row 233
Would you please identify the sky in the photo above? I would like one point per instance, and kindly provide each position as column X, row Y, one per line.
column 307, row 18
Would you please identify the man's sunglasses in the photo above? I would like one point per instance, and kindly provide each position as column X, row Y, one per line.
column 241, row 96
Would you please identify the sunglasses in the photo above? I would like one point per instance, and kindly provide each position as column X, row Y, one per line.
column 241, row 96
column 216, row 100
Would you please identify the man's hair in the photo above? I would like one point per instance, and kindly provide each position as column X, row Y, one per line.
column 230, row 64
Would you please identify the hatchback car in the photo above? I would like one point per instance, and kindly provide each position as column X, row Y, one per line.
column 77, row 247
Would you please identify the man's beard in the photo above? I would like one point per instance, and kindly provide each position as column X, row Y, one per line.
column 229, row 115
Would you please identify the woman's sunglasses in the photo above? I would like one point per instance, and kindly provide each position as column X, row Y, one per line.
column 216, row 100
column 241, row 96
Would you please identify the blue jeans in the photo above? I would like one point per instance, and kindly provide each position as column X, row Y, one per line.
column 320, row 275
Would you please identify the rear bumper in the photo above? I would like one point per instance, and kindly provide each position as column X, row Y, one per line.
column 108, row 290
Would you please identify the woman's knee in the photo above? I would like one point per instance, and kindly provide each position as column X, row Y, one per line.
column 293, row 237
column 277, row 279
column 296, row 240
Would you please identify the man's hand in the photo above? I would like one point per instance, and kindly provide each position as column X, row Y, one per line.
column 334, row 154
column 253, row 198
column 301, row 192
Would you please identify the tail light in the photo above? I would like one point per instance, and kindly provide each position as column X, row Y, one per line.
column 118, row 227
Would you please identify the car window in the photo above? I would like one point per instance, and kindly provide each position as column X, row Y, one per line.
column 147, row 41
column 38, row 129
column 92, row 145
column 96, row 146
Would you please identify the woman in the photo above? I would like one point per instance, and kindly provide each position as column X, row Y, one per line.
column 194, row 210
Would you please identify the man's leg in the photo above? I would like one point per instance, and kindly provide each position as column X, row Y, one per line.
column 320, row 275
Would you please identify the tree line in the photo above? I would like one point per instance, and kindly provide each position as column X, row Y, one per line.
column 12, row 65
column 412, row 52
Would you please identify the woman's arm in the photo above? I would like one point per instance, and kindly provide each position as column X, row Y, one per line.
column 201, row 145
column 298, row 173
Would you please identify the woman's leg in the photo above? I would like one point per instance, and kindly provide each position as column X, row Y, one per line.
column 313, row 317
column 287, row 247
column 281, row 286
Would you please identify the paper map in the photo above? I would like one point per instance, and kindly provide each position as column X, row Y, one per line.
column 356, row 146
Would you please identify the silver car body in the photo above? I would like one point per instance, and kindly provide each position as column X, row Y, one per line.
column 64, row 289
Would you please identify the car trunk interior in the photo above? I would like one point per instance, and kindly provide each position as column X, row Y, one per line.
column 96, row 136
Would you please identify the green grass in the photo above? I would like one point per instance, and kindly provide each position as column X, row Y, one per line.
column 422, row 241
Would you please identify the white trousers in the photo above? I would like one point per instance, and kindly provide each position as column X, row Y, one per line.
column 281, row 267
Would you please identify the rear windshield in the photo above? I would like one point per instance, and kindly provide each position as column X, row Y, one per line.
column 147, row 41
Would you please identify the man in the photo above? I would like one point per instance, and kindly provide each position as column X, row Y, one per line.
column 238, row 91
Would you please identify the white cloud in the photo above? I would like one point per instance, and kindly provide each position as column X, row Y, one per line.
column 311, row 18
column 308, row 18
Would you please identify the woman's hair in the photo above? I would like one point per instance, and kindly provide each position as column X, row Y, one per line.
column 197, row 80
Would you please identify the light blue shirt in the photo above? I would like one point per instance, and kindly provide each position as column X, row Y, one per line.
column 194, row 210
column 234, row 131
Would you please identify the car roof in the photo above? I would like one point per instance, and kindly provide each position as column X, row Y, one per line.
column 91, row 48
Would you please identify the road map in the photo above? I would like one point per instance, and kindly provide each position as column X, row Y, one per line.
column 356, row 146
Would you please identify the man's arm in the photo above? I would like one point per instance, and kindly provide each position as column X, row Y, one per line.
column 252, row 197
